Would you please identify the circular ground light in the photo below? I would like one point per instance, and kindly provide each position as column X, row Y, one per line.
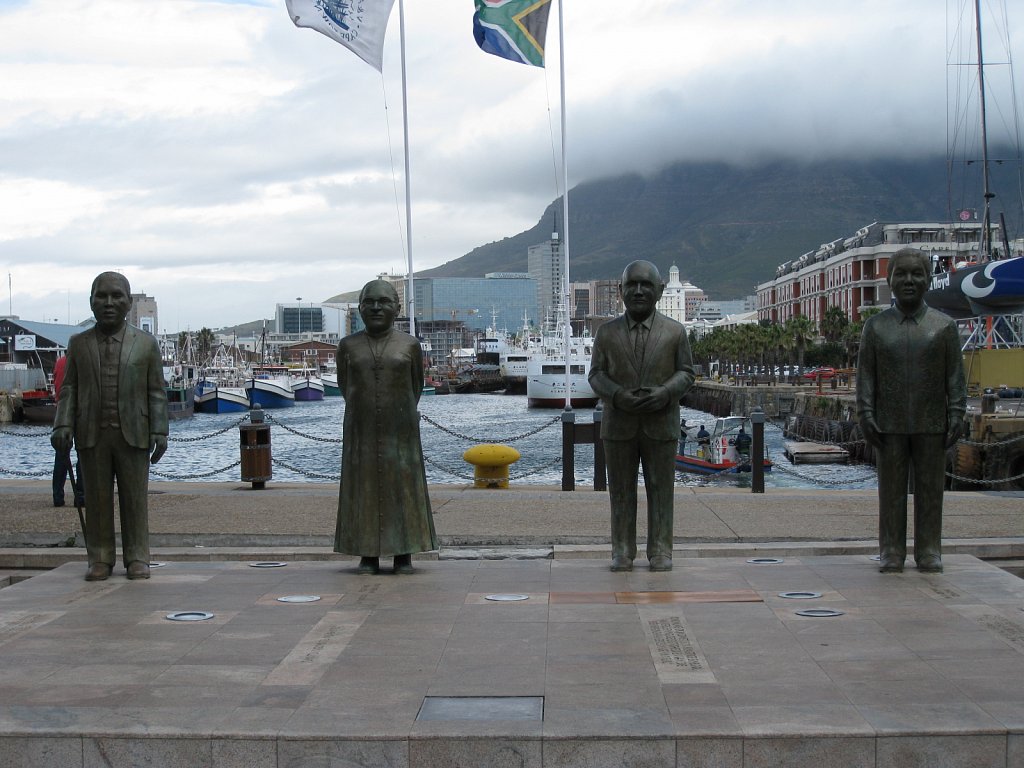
column 298, row 599
column 189, row 616
column 268, row 564
column 819, row 613
column 800, row 595
column 765, row 560
column 507, row 598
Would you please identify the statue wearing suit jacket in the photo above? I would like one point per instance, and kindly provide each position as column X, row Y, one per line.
column 114, row 405
column 640, row 367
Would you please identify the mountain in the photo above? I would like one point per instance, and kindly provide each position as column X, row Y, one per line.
column 727, row 228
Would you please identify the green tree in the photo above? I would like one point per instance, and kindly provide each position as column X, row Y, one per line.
column 801, row 331
column 833, row 324
column 204, row 344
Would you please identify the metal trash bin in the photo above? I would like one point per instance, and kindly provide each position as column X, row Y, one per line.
column 254, row 443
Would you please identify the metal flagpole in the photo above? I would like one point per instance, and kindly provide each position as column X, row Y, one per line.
column 410, row 298
column 565, row 211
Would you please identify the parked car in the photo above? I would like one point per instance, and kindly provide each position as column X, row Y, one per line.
column 823, row 372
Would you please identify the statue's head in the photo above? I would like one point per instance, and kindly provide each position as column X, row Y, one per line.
column 378, row 306
column 641, row 288
column 110, row 298
column 908, row 278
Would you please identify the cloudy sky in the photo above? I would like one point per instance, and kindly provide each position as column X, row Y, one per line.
column 225, row 160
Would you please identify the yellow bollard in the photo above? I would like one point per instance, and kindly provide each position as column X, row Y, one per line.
column 491, row 464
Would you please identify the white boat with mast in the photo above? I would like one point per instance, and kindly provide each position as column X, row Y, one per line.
column 221, row 385
column 548, row 383
column 979, row 292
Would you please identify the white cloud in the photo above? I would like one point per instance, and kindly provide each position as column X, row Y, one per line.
column 226, row 161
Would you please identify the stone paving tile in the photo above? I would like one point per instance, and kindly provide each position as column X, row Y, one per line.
column 935, row 751
column 344, row 678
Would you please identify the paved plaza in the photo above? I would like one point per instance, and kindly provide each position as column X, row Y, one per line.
column 514, row 645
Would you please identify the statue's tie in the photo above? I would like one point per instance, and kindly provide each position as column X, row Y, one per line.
column 640, row 341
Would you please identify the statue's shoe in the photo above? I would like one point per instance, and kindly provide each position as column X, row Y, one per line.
column 661, row 563
column 930, row 564
column 621, row 563
column 368, row 565
column 891, row 564
column 98, row 572
column 138, row 570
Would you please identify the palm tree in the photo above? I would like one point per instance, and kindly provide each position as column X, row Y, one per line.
column 204, row 343
column 800, row 329
column 833, row 324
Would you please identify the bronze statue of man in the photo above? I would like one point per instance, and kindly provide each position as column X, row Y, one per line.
column 114, row 405
column 383, row 506
column 641, row 366
column 911, row 400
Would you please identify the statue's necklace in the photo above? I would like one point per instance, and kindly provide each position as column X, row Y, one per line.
column 377, row 348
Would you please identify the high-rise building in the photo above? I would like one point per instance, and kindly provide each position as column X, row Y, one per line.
column 546, row 263
column 604, row 298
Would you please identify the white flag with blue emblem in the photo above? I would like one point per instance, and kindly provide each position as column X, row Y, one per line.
column 359, row 25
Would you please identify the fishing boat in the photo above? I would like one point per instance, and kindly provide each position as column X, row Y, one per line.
column 718, row 452
column 180, row 390
column 306, row 385
column 269, row 387
column 221, row 386
column 545, row 368
column 38, row 406
column 329, row 377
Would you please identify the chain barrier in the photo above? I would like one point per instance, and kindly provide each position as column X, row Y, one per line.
column 228, row 428
column 305, row 472
column 461, row 436
column 195, row 476
column 820, row 480
column 1000, row 481
column 1008, row 441
column 44, row 432
column 294, row 431
column 23, row 474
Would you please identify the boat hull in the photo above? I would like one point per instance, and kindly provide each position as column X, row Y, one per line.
column 180, row 402
column 308, row 390
column 269, row 393
column 211, row 398
column 330, row 382
column 548, row 391
column 686, row 463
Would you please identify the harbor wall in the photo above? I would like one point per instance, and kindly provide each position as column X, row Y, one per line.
column 777, row 401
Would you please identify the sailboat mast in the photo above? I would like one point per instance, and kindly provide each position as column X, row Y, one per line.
column 565, row 211
column 410, row 298
column 985, row 248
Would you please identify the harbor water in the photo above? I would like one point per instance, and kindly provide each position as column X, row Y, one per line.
column 306, row 446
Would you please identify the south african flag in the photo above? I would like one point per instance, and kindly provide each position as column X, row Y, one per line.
column 512, row 29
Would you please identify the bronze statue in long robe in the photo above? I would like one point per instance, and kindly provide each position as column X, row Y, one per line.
column 383, row 505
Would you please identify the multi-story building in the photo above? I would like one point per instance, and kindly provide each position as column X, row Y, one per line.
column 604, row 298
column 680, row 300
column 143, row 313
column 498, row 298
column 547, row 266
column 580, row 293
column 850, row 273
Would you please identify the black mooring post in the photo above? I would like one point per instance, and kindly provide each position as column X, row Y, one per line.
column 568, row 453
column 757, row 460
